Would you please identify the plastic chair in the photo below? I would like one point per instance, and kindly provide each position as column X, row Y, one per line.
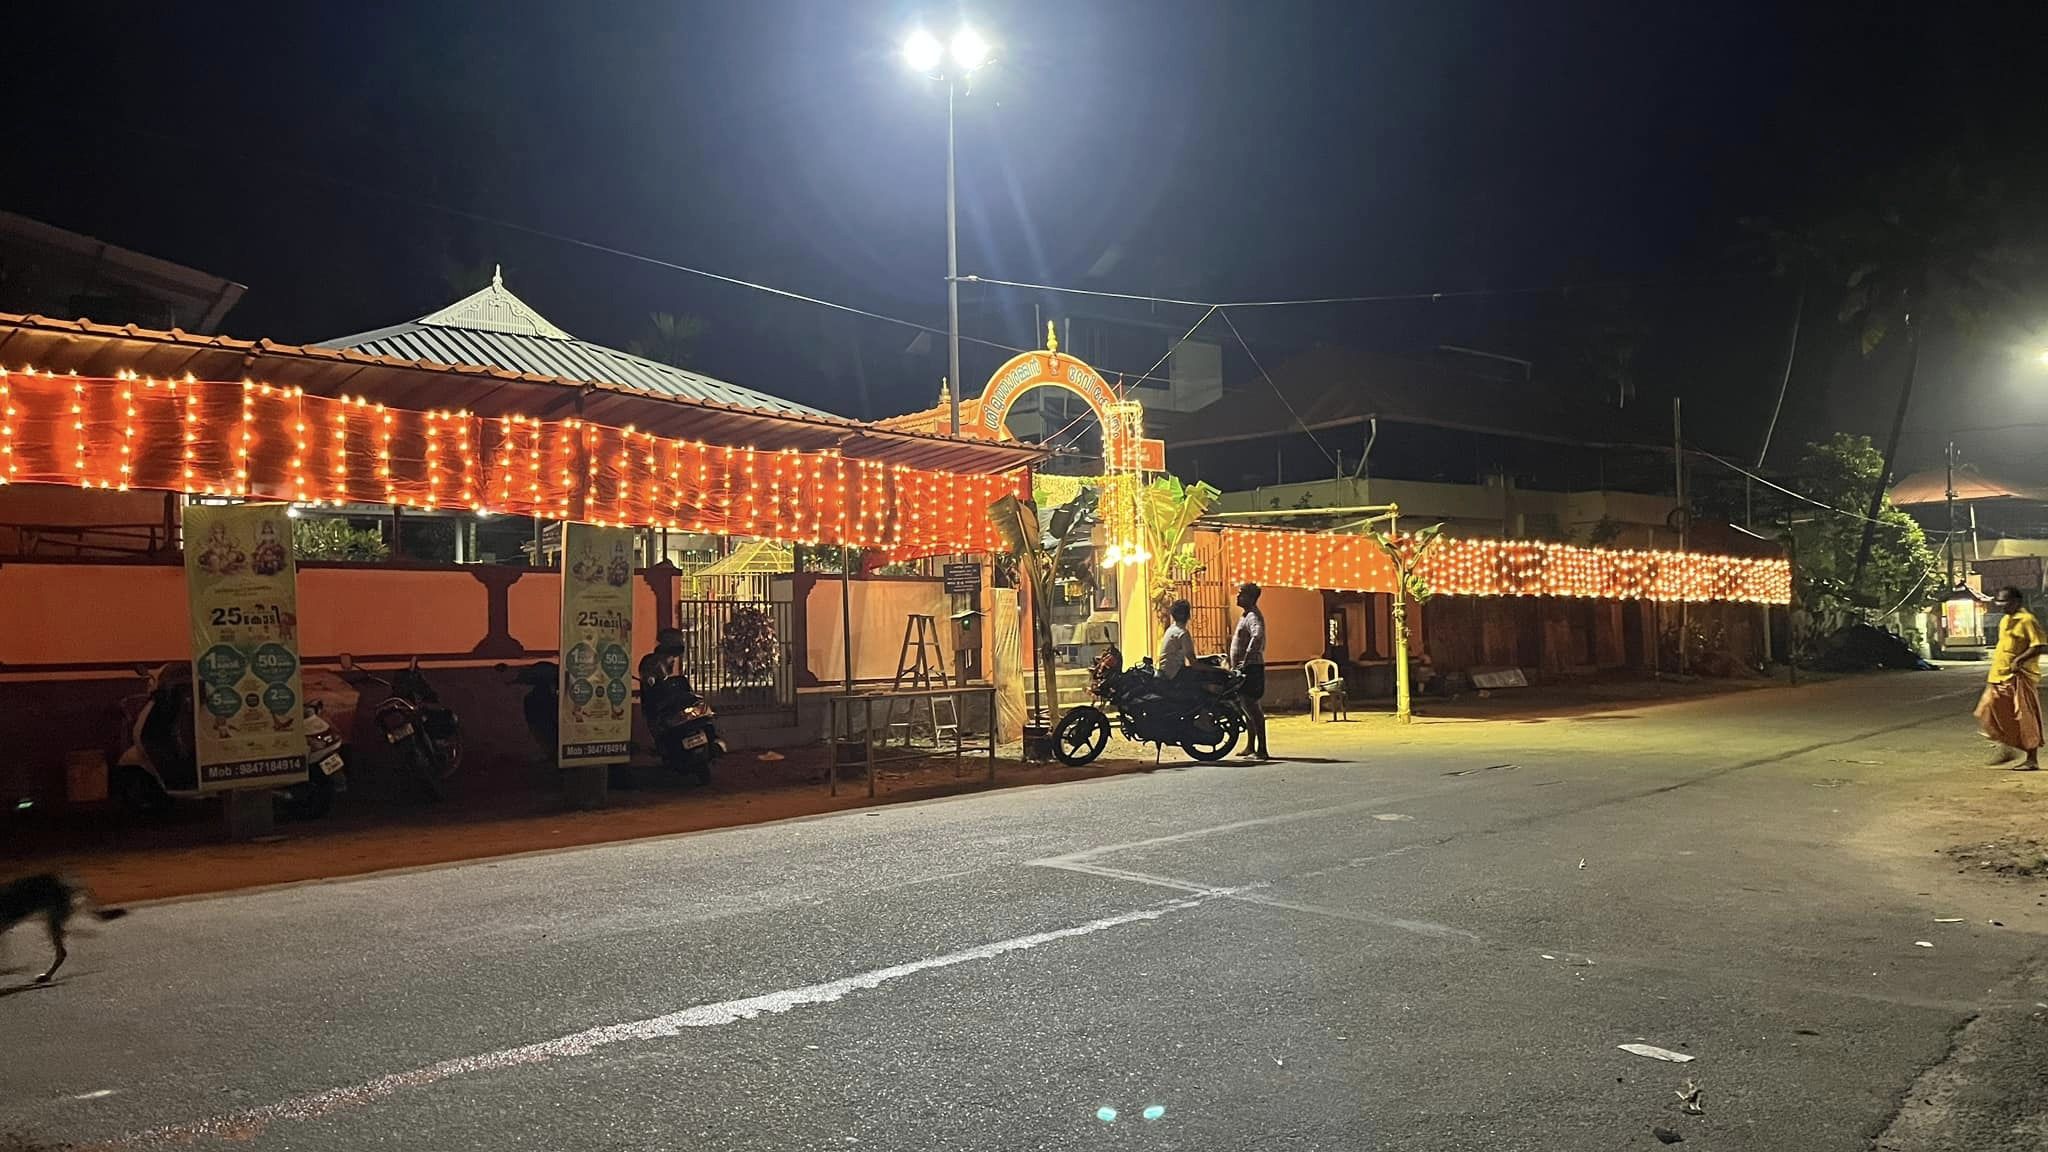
column 1325, row 690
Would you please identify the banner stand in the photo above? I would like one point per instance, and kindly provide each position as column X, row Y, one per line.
column 595, row 691
column 249, row 815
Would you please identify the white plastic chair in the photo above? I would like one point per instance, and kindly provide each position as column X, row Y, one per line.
column 1325, row 690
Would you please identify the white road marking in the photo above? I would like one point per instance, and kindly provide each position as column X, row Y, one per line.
column 248, row 1122
column 1087, row 854
column 1249, row 894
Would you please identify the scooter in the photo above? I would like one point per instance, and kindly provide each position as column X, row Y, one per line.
column 425, row 733
column 158, row 764
column 685, row 736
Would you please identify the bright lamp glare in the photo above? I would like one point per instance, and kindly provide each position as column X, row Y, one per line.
column 2044, row 356
column 970, row 51
column 922, row 51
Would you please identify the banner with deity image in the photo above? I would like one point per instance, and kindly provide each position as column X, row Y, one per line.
column 597, row 641
column 241, row 585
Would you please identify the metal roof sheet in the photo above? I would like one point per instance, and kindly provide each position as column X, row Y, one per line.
column 91, row 349
column 493, row 328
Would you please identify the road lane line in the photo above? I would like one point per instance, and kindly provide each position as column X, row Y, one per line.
column 249, row 1122
column 1087, row 854
column 1249, row 894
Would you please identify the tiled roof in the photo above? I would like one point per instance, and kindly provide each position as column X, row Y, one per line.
column 495, row 329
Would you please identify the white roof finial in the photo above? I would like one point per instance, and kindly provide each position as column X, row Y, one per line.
column 497, row 275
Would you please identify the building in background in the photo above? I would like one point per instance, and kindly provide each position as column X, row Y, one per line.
column 47, row 271
column 1992, row 530
column 1470, row 446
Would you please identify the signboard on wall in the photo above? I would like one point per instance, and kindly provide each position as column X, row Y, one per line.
column 597, row 638
column 241, row 590
column 963, row 578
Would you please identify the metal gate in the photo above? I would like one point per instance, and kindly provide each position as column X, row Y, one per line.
column 738, row 653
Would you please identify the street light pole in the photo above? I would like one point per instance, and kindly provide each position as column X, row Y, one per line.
column 924, row 54
column 952, row 271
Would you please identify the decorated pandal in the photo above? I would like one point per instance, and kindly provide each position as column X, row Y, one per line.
column 248, row 439
column 1485, row 567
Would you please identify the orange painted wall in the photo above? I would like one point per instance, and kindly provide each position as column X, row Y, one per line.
column 1294, row 624
column 71, row 633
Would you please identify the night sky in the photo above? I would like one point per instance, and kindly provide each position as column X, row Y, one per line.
column 1218, row 151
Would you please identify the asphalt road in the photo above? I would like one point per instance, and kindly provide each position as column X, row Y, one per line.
column 1423, row 939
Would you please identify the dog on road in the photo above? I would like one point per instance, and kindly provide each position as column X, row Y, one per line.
column 54, row 899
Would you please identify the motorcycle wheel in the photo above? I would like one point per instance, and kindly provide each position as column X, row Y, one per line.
column 1080, row 736
column 139, row 792
column 308, row 800
column 426, row 765
column 1211, row 749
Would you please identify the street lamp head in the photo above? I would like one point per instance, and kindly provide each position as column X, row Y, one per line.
column 922, row 51
column 970, row 51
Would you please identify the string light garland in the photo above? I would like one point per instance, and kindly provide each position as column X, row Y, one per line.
column 1479, row 567
column 255, row 439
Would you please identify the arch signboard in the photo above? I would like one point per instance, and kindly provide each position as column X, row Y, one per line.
column 1122, row 423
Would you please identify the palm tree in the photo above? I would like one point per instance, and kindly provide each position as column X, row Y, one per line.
column 1934, row 244
column 669, row 339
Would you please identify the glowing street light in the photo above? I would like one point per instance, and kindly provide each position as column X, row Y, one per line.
column 970, row 51
column 922, row 51
column 923, row 54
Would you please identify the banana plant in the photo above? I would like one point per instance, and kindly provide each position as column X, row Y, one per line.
column 1039, row 551
column 1167, row 511
column 1407, row 551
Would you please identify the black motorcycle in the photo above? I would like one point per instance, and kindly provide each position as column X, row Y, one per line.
column 542, row 706
column 681, row 721
column 1198, row 710
column 425, row 733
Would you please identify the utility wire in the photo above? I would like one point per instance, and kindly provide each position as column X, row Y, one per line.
column 1171, row 349
column 1730, row 465
column 1276, row 389
column 1381, row 298
column 1133, row 296
column 271, row 165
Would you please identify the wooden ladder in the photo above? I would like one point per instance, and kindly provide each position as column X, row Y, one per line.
column 922, row 658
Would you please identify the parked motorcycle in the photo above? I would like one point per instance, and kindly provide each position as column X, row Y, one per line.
column 681, row 721
column 542, row 706
column 425, row 733
column 1199, row 711
column 159, row 764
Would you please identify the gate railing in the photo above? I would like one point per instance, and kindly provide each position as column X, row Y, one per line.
column 738, row 653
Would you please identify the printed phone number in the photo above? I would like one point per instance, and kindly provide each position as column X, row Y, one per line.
column 281, row 766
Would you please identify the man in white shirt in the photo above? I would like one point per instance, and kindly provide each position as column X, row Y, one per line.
column 1176, row 648
column 1248, row 656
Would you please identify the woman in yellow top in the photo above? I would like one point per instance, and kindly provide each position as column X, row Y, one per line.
column 2010, row 711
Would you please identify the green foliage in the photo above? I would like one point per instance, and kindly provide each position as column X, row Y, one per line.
column 1406, row 551
column 330, row 538
column 1168, row 510
column 1841, row 472
column 1936, row 238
